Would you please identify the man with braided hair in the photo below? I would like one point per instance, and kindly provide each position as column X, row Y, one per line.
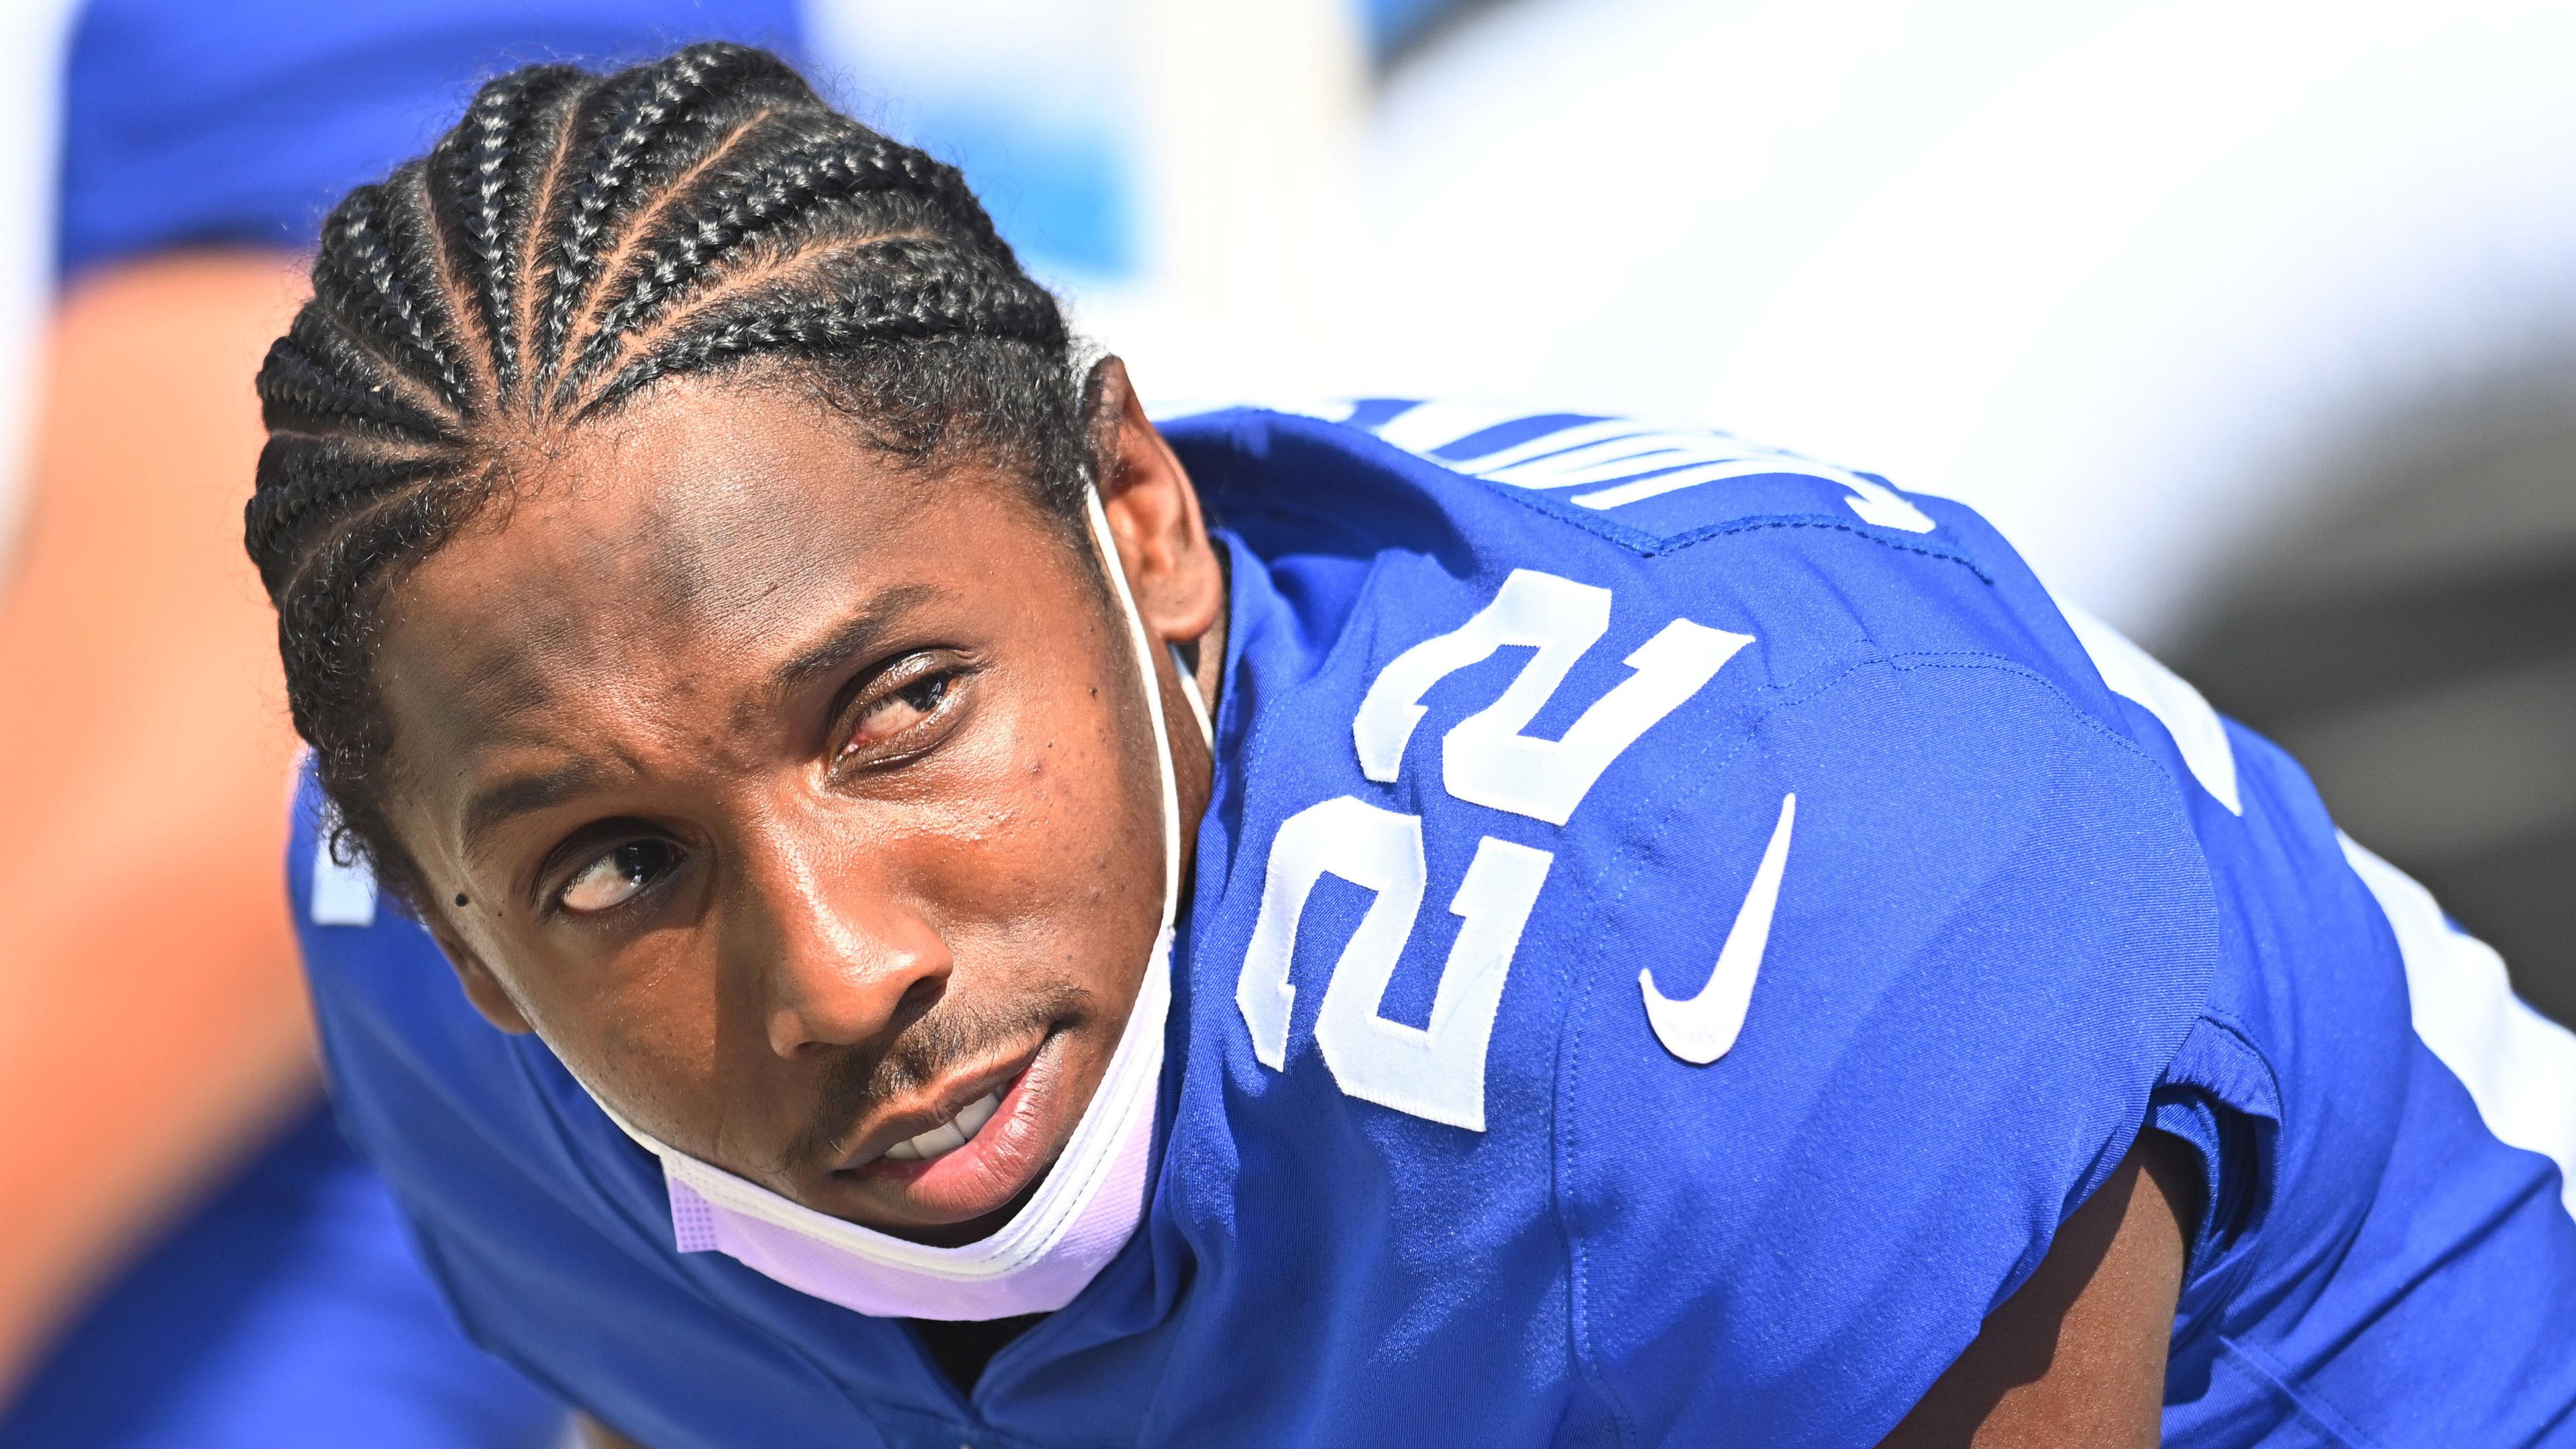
column 1384, row 924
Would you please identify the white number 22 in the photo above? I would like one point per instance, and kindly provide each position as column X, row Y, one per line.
column 1437, row 1072
column 1486, row 760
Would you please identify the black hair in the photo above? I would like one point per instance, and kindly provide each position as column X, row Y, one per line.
column 575, row 239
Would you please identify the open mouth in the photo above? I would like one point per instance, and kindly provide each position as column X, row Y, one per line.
column 1000, row 1093
column 974, row 1158
column 950, row 1135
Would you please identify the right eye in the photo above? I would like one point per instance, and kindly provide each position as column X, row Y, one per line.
column 617, row 875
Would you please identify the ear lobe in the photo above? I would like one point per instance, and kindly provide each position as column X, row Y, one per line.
column 481, row 987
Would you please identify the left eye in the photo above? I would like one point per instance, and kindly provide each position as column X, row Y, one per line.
column 613, row 878
column 897, row 712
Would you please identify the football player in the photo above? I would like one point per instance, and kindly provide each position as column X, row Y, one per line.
column 864, row 893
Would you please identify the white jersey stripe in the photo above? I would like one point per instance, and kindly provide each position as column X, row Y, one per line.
column 2198, row 733
column 2519, row 1066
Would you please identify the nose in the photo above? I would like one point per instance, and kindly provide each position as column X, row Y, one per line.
column 838, row 957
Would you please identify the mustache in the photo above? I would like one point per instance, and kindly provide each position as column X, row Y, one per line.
column 860, row 1077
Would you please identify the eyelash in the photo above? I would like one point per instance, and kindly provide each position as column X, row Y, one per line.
column 581, row 865
column 938, row 681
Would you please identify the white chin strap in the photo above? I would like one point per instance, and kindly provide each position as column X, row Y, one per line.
column 1092, row 1199
column 1143, row 645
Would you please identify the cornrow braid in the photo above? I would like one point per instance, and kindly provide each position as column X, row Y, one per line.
column 896, row 287
column 651, row 122
column 486, row 168
column 575, row 239
column 371, row 273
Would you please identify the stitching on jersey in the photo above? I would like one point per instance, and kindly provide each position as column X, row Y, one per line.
column 2227, row 1022
column 1827, row 676
column 1706, row 531
column 1570, row 1049
column 2239, row 1259
column 1623, row 1419
column 1600, row 525
column 2216, row 1281
column 1980, row 659
column 1638, row 540
column 2315, row 1411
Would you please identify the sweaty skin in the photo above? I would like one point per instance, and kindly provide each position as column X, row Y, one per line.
column 799, row 798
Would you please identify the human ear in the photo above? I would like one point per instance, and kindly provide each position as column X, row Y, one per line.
column 1154, row 513
column 481, row 987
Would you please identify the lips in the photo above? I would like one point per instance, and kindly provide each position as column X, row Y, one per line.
column 964, row 1149
column 950, row 1135
column 965, row 1106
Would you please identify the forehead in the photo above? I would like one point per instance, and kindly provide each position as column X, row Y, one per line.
column 715, row 494
column 678, row 549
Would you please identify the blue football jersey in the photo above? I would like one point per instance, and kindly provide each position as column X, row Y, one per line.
column 1677, row 929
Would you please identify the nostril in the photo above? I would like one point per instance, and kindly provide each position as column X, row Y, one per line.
column 839, row 974
column 917, row 1000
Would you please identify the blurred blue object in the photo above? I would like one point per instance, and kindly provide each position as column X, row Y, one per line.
column 1061, row 195
column 239, row 124
column 1395, row 24
column 290, row 1312
column 1034, row 100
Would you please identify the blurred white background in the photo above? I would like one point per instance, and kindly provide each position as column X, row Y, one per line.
column 2109, row 272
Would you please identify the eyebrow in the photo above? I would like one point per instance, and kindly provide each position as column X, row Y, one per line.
column 514, row 795
column 850, row 637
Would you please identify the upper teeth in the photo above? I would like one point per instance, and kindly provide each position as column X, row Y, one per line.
column 950, row 1135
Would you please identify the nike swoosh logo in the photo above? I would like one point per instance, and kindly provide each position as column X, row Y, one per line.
column 1702, row 1029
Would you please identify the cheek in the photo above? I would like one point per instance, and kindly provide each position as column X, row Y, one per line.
column 643, row 1035
column 1066, row 824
